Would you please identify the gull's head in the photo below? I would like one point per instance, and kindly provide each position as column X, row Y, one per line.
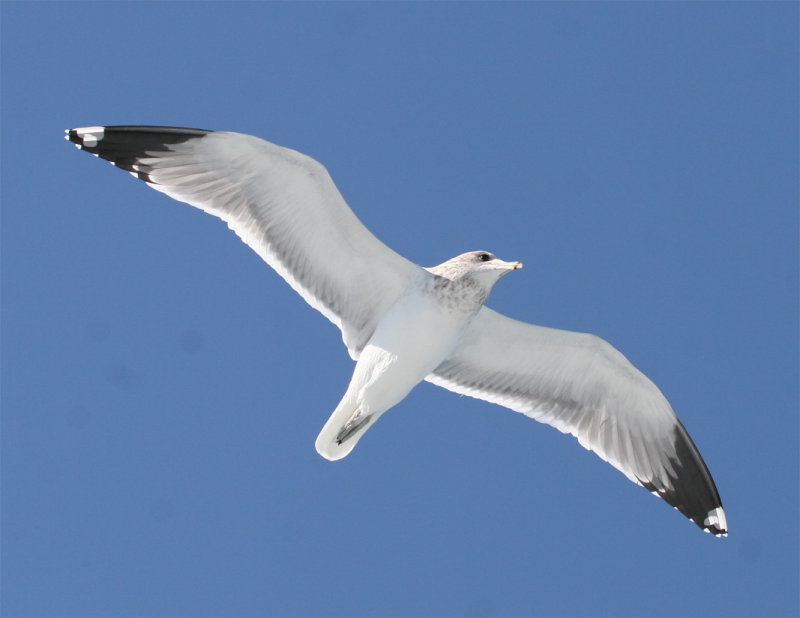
column 481, row 267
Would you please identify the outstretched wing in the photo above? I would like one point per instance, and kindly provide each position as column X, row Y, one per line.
column 581, row 385
column 280, row 202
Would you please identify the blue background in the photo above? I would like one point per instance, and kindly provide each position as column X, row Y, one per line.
column 162, row 388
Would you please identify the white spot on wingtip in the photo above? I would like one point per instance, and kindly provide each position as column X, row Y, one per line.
column 82, row 130
column 716, row 518
column 90, row 135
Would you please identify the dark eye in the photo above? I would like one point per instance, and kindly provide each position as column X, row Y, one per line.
column 484, row 257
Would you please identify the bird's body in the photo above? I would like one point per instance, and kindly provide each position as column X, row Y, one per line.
column 404, row 324
column 414, row 337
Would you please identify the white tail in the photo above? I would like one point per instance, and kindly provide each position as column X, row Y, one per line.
column 343, row 430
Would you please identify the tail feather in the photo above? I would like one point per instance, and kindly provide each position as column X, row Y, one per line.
column 343, row 430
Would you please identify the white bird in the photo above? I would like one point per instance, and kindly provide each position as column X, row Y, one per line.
column 403, row 323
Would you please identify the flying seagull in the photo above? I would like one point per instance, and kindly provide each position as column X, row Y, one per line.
column 403, row 323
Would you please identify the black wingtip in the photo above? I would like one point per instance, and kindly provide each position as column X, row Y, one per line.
column 125, row 146
column 89, row 137
column 689, row 488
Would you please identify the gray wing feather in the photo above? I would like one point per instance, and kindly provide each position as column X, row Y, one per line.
column 581, row 385
column 280, row 202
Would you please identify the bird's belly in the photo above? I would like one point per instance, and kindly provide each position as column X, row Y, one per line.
column 414, row 337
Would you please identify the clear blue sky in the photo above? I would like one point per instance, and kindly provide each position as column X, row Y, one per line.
column 162, row 388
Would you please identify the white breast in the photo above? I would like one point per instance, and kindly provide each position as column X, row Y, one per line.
column 411, row 340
